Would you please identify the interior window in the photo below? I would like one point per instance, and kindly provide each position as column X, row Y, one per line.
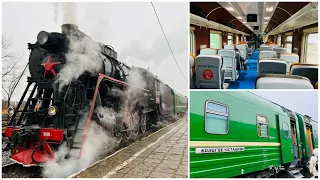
column 214, row 40
column 237, row 39
column 191, row 50
column 289, row 43
column 262, row 126
column 216, row 118
column 279, row 40
column 230, row 39
column 312, row 48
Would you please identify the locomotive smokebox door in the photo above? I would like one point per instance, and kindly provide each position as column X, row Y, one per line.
column 285, row 139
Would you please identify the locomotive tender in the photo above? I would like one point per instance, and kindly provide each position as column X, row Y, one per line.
column 239, row 134
column 66, row 109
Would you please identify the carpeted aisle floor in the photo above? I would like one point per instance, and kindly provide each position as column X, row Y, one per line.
column 247, row 79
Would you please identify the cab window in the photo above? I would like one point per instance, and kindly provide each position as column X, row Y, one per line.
column 214, row 40
column 216, row 118
column 288, row 44
column 262, row 126
column 312, row 48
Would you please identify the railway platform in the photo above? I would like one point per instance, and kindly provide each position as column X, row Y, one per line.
column 162, row 154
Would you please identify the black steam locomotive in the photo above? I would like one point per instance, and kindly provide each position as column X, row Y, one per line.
column 55, row 113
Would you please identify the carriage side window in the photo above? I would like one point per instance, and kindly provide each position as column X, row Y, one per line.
column 262, row 126
column 312, row 48
column 288, row 45
column 214, row 40
column 158, row 85
column 216, row 118
column 230, row 39
column 237, row 39
column 191, row 42
column 279, row 40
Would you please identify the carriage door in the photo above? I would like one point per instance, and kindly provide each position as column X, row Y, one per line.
column 285, row 139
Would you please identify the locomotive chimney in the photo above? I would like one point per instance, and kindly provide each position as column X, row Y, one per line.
column 68, row 28
column 72, row 29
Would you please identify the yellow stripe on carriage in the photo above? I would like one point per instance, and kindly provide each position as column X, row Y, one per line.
column 196, row 144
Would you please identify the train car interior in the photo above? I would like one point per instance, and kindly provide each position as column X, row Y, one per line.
column 253, row 45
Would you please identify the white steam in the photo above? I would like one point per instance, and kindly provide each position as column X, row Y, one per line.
column 97, row 142
column 84, row 55
column 106, row 116
column 56, row 9
column 69, row 13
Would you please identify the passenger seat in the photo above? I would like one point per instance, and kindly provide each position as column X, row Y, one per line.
column 279, row 50
column 265, row 48
column 272, row 66
column 282, row 81
column 229, row 63
column 267, row 54
column 208, row 51
column 309, row 71
column 243, row 48
column 209, row 72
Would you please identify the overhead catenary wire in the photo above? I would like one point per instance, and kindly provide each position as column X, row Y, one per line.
column 167, row 40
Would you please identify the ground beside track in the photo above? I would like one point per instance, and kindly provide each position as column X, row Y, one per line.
column 163, row 154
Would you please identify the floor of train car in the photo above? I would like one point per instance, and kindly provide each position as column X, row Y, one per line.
column 247, row 79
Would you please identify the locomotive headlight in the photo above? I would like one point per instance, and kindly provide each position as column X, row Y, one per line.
column 43, row 37
column 52, row 111
column 10, row 111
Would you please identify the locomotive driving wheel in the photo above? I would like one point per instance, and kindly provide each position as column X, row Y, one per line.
column 135, row 122
column 117, row 130
column 143, row 123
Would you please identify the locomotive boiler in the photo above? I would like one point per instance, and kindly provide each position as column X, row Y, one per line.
column 71, row 79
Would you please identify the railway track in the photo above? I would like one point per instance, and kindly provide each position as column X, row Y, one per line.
column 15, row 170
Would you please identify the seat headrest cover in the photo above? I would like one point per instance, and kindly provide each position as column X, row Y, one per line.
column 208, row 51
column 272, row 61
column 229, row 47
column 302, row 64
column 267, row 54
column 224, row 52
column 282, row 81
column 210, row 56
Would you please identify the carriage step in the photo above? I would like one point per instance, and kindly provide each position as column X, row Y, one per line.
column 76, row 145
column 295, row 173
column 74, row 152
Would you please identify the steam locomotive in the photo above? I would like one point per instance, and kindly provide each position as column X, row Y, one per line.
column 67, row 108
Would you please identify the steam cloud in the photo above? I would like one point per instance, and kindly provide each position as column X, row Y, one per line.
column 84, row 55
column 97, row 142
column 69, row 13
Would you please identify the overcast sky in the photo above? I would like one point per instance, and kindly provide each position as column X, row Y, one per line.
column 303, row 102
column 131, row 28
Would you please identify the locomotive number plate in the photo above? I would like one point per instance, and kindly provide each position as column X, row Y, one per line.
column 217, row 150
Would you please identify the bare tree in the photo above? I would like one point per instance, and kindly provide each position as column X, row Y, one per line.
column 11, row 70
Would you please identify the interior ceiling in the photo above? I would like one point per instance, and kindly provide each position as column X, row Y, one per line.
column 234, row 14
column 283, row 12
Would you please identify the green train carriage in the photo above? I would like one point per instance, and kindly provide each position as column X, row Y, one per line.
column 238, row 133
column 180, row 104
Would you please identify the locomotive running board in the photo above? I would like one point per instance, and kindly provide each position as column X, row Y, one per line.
column 100, row 78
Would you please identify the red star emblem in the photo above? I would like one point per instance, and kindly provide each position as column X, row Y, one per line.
column 49, row 66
